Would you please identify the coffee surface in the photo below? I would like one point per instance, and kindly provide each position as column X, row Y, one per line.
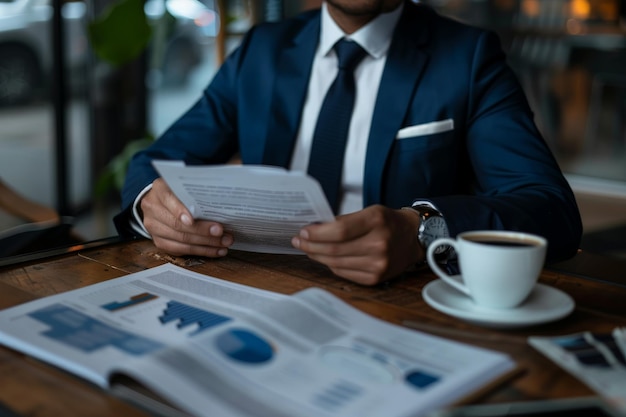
column 488, row 240
column 504, row 243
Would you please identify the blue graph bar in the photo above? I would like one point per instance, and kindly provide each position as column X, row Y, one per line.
column 187, row 315
column 134, row 300
column 75, row 329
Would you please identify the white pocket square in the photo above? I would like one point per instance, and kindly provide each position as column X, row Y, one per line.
column 426, row 129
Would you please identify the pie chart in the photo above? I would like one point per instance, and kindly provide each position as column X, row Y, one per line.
column 244, row 346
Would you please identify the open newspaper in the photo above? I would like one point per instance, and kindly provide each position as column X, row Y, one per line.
column 263, row 207
column 214, row 348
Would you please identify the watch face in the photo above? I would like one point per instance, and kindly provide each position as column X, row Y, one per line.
column 435, row 228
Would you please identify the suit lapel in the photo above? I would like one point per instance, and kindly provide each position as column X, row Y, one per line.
column 289, row 92
column 404, row 66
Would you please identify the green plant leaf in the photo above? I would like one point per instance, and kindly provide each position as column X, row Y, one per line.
column 121, row 33
column 112, row 179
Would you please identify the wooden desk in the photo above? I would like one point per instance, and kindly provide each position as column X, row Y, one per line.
column 35, row 389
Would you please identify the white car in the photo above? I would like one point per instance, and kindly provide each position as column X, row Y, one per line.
column 26, row 45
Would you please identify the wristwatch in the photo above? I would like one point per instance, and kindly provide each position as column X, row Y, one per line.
column 432, row 227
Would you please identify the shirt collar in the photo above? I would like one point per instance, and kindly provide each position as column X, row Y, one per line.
column 375, row 37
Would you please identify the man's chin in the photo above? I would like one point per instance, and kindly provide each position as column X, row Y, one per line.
column 364, row 7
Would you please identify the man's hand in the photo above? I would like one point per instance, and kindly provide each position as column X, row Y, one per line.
column 367, row 247
column 174, row 230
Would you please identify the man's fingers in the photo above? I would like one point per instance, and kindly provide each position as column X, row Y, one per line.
column 178, row 248
column 173, row 229
column 347, row 227
column 162, row 207
column 356, row 247
column 196, row 235
column 367, row 247
column 171, row 203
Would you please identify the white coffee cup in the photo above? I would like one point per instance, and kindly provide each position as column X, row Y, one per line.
column 499, row 269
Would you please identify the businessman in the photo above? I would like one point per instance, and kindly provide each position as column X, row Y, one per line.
column 436, row 138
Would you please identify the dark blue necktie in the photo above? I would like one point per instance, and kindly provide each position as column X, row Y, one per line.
column 333, row 122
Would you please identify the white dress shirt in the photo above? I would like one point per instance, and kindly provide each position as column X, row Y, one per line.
column 375, row 38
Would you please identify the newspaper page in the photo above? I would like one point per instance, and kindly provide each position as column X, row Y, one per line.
column 87, row 330
column 263, row 207
column 597, row 359
column 215, row 348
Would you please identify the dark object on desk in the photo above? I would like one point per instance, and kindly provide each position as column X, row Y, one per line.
column 594, row 266
column 35, row 237
column 49, row 252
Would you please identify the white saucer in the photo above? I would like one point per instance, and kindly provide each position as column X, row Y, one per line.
column 543, row 305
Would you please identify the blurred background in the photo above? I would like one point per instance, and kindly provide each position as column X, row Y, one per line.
column 83, row 84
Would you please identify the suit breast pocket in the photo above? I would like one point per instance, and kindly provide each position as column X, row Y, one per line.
column 424, row 143
column 423, row 165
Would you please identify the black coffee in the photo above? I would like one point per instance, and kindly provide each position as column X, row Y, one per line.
column 508, row 243
column 502, row 241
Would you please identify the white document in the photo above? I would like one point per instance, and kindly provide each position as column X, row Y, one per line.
column 263, row 207
column 214, row 348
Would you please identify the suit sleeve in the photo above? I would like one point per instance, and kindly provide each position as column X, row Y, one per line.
column 517, row 183
column 205, row 134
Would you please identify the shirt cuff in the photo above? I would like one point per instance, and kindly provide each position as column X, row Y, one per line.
column 136, row 222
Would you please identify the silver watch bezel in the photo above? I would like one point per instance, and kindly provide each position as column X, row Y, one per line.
column 427, row 213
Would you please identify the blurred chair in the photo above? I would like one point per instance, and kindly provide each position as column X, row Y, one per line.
column 16, row 204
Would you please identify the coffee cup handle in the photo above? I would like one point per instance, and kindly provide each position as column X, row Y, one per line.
column 453, row 280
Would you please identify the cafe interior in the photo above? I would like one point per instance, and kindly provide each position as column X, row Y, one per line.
column 71, row 115
column 81, row 91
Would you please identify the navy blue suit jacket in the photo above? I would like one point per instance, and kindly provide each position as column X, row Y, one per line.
column 492, row 171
